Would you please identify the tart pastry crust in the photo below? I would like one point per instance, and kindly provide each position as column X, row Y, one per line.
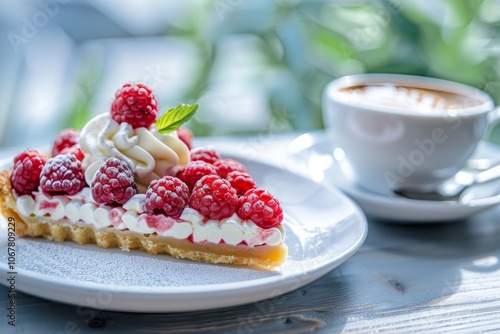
column 261, row 257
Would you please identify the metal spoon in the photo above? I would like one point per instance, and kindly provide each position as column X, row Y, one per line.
column 453, row 189
column 481, row 163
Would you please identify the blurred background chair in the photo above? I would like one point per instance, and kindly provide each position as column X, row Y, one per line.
column 255, row 67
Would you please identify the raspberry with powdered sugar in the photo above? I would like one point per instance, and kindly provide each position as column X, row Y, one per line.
column 25, row 176
column 62, row 174
column 114, row 182
column 168, row 196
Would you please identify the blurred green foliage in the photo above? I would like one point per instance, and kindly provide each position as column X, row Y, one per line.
column 310, row 43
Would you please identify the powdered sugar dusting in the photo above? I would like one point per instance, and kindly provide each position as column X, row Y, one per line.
column 120, row 268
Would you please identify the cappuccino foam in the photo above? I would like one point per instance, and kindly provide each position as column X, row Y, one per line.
column 410, row 98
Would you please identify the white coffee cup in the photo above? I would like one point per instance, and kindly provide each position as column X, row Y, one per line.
column 404, row 132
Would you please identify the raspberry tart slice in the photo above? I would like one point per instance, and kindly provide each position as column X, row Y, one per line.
column 129, row 180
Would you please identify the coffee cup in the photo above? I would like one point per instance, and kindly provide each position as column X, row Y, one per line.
column 402, row 132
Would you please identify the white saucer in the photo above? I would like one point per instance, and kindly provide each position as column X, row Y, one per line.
column 313, row 156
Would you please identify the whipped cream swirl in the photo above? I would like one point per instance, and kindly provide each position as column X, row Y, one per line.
column 149, row 153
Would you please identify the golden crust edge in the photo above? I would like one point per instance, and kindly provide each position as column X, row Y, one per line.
column 6, row 200
column 264, row 257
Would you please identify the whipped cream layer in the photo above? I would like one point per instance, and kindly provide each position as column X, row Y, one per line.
column 149, row 153
column 81, row 209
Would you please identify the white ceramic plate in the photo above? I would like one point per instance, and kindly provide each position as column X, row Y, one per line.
column 324, row 228
column 314, row 156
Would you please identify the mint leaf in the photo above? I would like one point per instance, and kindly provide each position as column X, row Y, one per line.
column 172, row 119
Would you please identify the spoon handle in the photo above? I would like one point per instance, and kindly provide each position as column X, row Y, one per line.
column 487, row 175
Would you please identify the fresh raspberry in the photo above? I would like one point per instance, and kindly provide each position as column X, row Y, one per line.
column 225, row 166
column 204, row 153
column 62, row 174
column 135, row 104
column 168, row 195
column 25, row 176
column 75, row 150
column 214, row 197
column 261, row 207
column 241, row 181
column 113, row 182
column 65, row 139
column 186, row 136
column 195, row 170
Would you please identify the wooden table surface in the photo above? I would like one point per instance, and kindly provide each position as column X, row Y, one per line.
column 423, row 278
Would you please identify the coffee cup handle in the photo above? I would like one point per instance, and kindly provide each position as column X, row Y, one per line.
column 493, row 123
